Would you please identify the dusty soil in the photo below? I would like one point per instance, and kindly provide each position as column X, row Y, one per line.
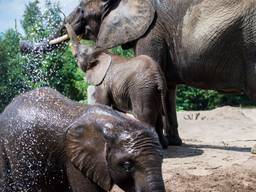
column 216, row 153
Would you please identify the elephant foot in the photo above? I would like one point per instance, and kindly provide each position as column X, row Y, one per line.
column 253, row 150
column 174, row 140
column 164, row 142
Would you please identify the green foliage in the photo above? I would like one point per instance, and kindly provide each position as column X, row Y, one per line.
column 236, row 100
column 189, row 98
column 32, row 22
column 71, row 79
column 125, row 53
column 11, row 81
column 57, row 69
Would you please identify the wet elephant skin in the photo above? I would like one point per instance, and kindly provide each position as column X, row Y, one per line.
column 50, row 143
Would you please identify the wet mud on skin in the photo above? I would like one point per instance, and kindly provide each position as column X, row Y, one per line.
column 216, row 155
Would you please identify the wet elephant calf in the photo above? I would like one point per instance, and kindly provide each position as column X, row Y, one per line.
column 49, row 143
column 135, row 85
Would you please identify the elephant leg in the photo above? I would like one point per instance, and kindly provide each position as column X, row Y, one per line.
column 159, row 129
column 101, row 96
column 78, row 182
column 158, row 50
column 251, row 86
column 144, row 114
column 91, row 94
column 171, row 131
column 251, row 79
column 147, row 109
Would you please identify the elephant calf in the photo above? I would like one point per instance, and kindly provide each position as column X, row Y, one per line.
column 49, row 143
column 134, row 85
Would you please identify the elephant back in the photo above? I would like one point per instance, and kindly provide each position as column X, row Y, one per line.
column 42, row 107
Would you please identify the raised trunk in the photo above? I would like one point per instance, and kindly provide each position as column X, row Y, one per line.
column 76, row 21
column 73, row 38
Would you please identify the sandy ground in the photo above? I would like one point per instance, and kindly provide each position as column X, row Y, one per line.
column 216, row 153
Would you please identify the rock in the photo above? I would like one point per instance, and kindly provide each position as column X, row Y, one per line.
column 253, row 149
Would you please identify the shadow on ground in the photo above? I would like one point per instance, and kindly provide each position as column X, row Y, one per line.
column 190, row 150
column 182, row 151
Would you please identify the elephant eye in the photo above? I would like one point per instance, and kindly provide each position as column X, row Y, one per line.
column 127, row 166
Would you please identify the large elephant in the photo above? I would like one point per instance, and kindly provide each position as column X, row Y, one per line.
column 118, row 83
column 209, row 44
column 50, row 143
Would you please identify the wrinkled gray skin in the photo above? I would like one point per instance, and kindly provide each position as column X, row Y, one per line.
column 50, row 143
column 203, row 43
column 119, row 83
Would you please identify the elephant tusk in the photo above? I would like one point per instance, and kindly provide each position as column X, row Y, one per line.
column 59, row 39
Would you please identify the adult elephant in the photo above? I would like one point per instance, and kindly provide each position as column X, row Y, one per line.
column 50, row 143
column 203, row 43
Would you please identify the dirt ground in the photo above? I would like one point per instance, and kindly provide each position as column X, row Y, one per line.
column 216, row 153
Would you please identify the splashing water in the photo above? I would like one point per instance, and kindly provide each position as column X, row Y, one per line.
column 41, row 70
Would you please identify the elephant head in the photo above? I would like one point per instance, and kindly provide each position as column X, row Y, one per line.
column 109, row 22
column 94, row 63
column 110, row 148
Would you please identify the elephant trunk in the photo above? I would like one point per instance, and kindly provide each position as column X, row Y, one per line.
column 74, row 41
column 75, row 19
column 155, row 181
column 150, row 180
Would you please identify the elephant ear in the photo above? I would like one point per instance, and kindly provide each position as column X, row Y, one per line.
column 127, row 22
column 96, row 74
column 86, row 148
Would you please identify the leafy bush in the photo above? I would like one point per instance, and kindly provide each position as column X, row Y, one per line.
column 189, row 98
column 57, row 69
column 12, row 79
column 125, row 53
